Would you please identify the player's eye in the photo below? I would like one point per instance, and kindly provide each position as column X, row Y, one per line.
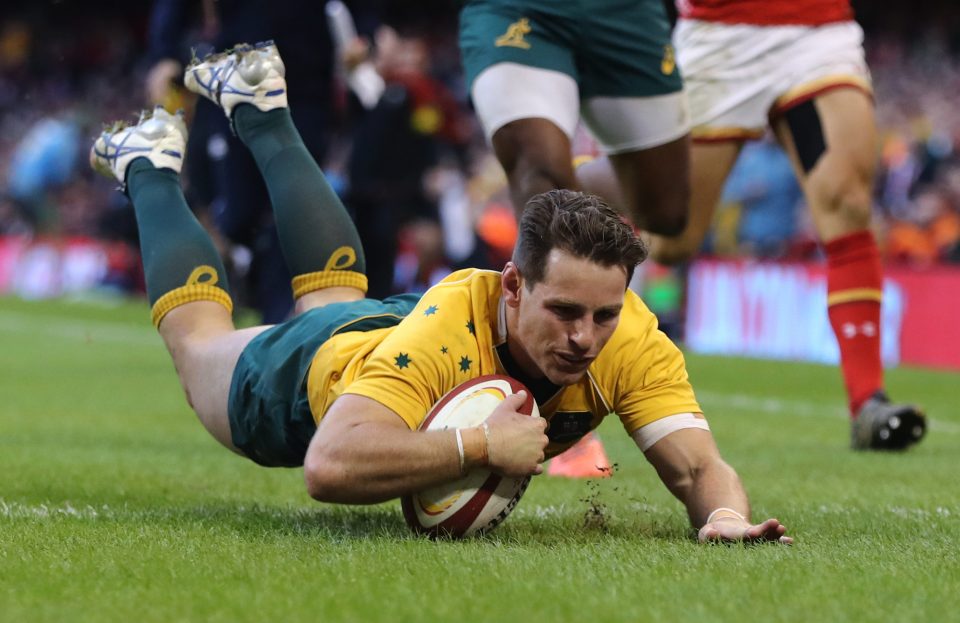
column 566, row 313
column 603, row 317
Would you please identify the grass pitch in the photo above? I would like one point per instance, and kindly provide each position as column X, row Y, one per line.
column 115, row 505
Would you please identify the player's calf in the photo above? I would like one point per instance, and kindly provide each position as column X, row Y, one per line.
column 181, row 263
column 318, row 238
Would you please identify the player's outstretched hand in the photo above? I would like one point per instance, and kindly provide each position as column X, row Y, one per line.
column 516, row 441
column 732, row 529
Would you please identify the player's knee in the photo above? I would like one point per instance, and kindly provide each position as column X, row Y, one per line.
column 846, row 196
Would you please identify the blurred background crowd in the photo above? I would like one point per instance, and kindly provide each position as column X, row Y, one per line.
column 405, row 153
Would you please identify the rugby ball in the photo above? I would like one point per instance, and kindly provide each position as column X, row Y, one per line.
column 479, row 501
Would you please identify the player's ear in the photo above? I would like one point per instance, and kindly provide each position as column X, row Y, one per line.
column 511, row 283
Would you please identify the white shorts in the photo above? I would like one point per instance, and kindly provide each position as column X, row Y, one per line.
column 508, row 92
column 738, row 76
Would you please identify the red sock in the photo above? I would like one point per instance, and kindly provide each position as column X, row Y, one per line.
column 854, row 289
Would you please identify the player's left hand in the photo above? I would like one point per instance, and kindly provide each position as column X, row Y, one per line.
column 733, row 529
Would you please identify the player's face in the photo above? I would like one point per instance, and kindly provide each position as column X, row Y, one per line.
column 561, row 324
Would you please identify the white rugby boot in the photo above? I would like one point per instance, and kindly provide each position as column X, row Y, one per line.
column 157, row 136
column 247, row 74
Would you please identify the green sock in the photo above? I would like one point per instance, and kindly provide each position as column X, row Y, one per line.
column 316, row 232
column 179, row 260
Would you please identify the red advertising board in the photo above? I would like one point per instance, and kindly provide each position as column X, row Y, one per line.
column 778, row 311
column 930, row 333
column 42, row 268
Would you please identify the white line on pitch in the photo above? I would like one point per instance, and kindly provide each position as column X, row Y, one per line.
column 803, row 408
column 79, row 330
column 18, row 510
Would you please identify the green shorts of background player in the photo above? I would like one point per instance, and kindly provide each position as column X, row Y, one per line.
column 535, row 68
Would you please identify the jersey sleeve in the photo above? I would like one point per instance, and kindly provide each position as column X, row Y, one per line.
column 653, row 381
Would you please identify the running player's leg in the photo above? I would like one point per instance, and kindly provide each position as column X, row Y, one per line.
column 635, row 106
column 825, row 121
column 728, row 96
column 186, row 282
column 655, row 184
column 646, row 170
column 523, row 83
column 646, row 185
column 710, row 165
column 535, row 155
column 529, row 115
column 318, row 238
column 832, row 142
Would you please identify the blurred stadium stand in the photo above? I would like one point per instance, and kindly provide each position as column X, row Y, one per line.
column 67, row 66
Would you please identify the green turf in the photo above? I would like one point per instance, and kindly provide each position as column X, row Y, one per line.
column 115, row 505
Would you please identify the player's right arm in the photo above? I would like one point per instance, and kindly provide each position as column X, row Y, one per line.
column 364, row 453
column 689, row 464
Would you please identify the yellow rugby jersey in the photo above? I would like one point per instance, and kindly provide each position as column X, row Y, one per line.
column 458, row 331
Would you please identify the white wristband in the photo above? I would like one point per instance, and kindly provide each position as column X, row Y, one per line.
column 460, row 449
column 724, row 509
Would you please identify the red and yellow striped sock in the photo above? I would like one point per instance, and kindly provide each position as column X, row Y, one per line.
column 854, row 292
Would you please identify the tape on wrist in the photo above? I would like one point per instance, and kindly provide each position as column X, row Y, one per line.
column 486, row 444
column 724, row 512
column 460, row 449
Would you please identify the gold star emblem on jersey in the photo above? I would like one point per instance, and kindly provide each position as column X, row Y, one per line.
column 513, row 38
column 669, row 62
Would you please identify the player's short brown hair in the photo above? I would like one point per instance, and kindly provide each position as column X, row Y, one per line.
column 578, row 223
